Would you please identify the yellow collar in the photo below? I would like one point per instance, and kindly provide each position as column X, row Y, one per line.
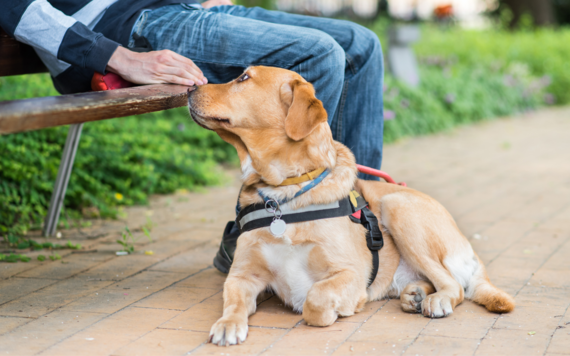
column 303, row 178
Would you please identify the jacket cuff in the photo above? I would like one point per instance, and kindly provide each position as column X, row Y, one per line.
column 86, row 49
column 100, row 54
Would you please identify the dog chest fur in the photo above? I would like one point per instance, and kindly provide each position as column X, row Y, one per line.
column 289, row 265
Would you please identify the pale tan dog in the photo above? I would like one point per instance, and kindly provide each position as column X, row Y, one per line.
column 321, row 268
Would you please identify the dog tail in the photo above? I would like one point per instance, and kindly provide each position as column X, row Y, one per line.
column 482, row 291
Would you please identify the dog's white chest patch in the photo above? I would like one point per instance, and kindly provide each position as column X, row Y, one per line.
column 290, row 266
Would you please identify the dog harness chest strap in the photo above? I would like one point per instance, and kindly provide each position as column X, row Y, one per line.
column 257, row 216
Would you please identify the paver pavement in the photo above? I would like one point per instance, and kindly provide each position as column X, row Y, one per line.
column 506, row 182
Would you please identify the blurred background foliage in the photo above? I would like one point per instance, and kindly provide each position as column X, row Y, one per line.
column 467, row 75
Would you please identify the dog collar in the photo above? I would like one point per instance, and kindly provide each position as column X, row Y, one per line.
column 305, row 189
column 303, row 178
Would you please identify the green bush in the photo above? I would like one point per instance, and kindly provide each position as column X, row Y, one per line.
column 118, row 162
column 544, row 52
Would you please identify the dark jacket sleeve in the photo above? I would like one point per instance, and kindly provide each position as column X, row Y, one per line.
column 40, row 25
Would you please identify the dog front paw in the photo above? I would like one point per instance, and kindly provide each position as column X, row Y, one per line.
column 411, row 299
column 228, row 331
column 437, row 306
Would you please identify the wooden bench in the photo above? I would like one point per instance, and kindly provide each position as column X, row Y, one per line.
column 74, row 110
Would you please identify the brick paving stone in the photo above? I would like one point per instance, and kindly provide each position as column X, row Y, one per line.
column 8, row 270
column 258, row 340
column 200, row 317
column 468, row 321
column 113, row 332
column 512, row 342
column 52, row 297
column 369, row 310
column 543, row 296
column 121, row 267
column 529, row 319
column 209, row 278
column 176, row 297
column 124, row 293
column 273, row 313
column 162, row 342
column 309, row 340
column 67, row 267
column 560, row 342
column 14, row 288
column 390, row 329
column 438, row 345
column 46, row 331
column 9, row 323
column 189, row 262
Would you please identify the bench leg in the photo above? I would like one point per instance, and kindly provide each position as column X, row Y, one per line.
column 62, row 179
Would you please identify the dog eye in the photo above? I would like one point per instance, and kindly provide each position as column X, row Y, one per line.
column 243, row 77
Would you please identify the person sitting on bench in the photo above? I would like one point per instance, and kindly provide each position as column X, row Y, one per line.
column 188, row 43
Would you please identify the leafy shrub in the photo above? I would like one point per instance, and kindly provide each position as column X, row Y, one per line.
column 118, row 162
column 545, row 52
column 448, row 97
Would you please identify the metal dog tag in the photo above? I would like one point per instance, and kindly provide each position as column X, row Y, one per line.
column 278, row 227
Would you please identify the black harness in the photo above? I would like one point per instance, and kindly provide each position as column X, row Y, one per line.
column 354, row 206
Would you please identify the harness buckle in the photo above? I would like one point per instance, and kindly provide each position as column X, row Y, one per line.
column 374, row 239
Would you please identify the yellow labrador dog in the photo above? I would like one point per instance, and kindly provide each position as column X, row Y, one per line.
column 322, row 267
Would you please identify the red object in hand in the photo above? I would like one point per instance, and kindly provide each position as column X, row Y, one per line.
column 109, row 81
column 377, row 173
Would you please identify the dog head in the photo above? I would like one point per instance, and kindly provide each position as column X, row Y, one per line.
column 273, row 119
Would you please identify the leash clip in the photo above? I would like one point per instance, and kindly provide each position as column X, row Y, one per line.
column 278, row 226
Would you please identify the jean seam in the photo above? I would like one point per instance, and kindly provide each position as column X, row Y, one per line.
column 350, row 63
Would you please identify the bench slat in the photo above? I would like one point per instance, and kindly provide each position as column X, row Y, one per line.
column 39, row 113
column 17, row 58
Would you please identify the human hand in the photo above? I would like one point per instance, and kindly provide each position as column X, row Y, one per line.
column 155, row 67
column 211, row 3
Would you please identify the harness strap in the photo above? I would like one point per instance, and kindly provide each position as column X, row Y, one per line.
column 354, row 206
column 256, row 216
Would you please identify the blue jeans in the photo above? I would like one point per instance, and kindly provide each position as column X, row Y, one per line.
column 341, row 59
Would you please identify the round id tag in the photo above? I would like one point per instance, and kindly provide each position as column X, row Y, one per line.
column 278, row 227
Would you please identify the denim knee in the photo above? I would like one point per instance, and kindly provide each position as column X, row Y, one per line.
column 329, row 57
column 365, row 47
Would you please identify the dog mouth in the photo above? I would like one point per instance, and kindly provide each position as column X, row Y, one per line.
column 201, row 120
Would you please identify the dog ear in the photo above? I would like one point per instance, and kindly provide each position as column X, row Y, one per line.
column 305, row 112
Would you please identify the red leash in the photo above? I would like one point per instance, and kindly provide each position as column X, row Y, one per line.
column 377, row 173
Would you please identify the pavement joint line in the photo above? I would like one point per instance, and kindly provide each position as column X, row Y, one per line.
column 543, row 263
column 266, row 327
column 196, row 331
column 525, row 234
column 51, row 284
column 361, row 323
column 555, row 330
column 139, row 307
column 502, row 217
column 524, row 284
column 417, row 336
column 281, row 338
column 104, row 318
